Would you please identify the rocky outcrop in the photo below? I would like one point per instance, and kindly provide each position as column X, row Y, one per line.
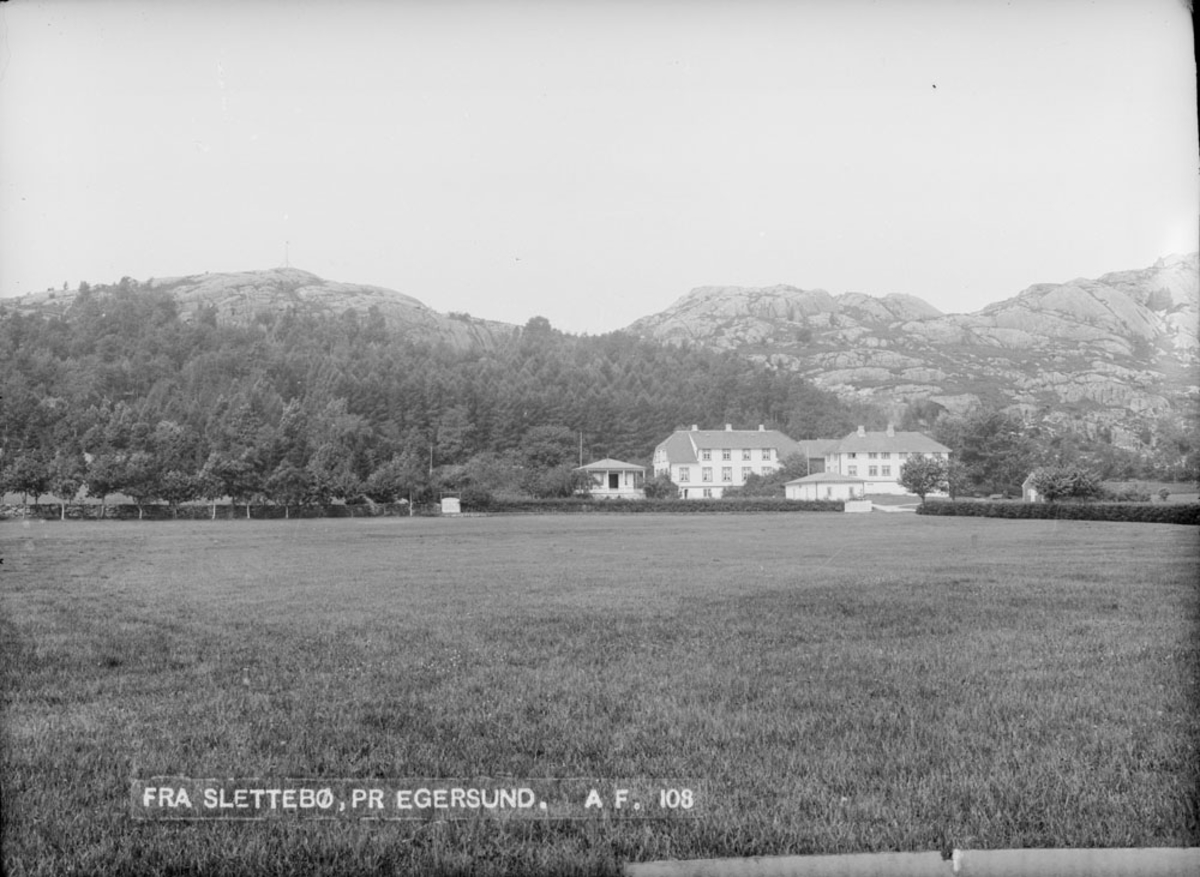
column 240, row 298
column 1107, row 350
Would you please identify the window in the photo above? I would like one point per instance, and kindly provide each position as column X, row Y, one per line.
column 746, row 473
column 852, row 470
column 726, row 454
column 766, row 453
column 706, row 473
column 887, row 470
column 746, row 454
column 871, row 455
column 852, row 455
column 885, row 456
column 706, row 454
column 684, row 474
column 708, row 493
column 726, row 473
column 872, row 471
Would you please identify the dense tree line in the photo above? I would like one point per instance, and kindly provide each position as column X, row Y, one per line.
column 994, row 450
column 119, row 394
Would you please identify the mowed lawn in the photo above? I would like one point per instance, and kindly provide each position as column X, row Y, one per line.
column 842, row 683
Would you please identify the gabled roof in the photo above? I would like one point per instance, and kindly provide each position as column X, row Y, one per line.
column 609, row 463
column 818, row 447
column 826, row 478
column 909, row 442
column 684, row 444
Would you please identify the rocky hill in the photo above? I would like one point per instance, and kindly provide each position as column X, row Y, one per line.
column 238, row 298
column 1106, row 353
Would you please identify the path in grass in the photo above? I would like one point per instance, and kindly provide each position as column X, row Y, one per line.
column 843, row 683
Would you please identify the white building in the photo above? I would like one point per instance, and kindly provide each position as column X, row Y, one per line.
column 825, row 485
column 612, row 479
column 705, row 462
column 876, row 457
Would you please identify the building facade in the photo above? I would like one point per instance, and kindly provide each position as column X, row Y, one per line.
column 876, row 457
column 704, row 463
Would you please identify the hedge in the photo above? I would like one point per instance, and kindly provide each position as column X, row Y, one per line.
column 159, row 512
column 669, row 506
column 203, row 512
column 1132, row 512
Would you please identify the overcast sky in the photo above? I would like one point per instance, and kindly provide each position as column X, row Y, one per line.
column 592, row 162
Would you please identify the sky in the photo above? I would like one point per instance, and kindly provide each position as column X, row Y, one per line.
column 592, row 162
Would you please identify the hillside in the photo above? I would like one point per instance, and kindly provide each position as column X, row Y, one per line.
column 241, row 298
column 1104, row 353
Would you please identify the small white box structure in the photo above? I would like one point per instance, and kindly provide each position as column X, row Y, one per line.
column 858, row 505
column 451, row 506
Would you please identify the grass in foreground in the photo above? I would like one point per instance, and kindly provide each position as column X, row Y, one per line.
column 843, row 683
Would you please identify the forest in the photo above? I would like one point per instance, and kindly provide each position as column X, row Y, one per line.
column 119, row 394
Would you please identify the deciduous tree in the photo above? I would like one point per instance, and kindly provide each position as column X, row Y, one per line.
column 923, row 475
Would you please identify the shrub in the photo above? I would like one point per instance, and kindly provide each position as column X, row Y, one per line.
column 1077, row 511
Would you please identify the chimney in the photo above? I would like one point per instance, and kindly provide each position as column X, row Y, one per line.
column 695, row 427
column 862, row 431
column 729, row 427
column 891, row 431
column 761, row 428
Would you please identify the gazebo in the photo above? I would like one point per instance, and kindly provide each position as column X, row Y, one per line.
column 613, row 479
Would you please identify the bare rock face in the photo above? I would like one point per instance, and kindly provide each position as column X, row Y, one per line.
column 241, row 297
column 1104, row 351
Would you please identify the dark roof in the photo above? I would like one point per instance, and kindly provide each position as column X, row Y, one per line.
column 908, row 442
column 818, row 447
column 683, row 444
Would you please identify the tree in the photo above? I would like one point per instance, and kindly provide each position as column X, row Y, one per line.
column 660, row 487
column 992, row 448
column 544, row 447
column 104, row 475
column 331, row 475
column 922, row 475
column 28, row 474
column 176, row 487
column 392, row 481
column 289, row 485
column 772, row 483
column 226, row 475
column 139, row 477
column 956, row 479
column 560, row 481
column 210, row 484
column 67, row 471
column 1065, row 482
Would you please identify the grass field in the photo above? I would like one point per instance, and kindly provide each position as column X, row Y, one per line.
column 843, row 683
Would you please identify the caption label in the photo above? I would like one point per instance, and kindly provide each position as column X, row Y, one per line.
column 176, row 797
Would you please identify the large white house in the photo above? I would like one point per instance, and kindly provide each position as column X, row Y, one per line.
column 876, row 457
column 705, row 462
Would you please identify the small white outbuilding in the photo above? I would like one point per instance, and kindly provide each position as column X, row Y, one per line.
column 825, row 485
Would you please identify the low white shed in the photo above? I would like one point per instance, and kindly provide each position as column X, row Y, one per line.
column 825, row 485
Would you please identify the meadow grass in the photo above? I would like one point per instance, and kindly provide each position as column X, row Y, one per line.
column 842, row 683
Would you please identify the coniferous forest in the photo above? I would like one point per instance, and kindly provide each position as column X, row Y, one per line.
column 118, row 394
